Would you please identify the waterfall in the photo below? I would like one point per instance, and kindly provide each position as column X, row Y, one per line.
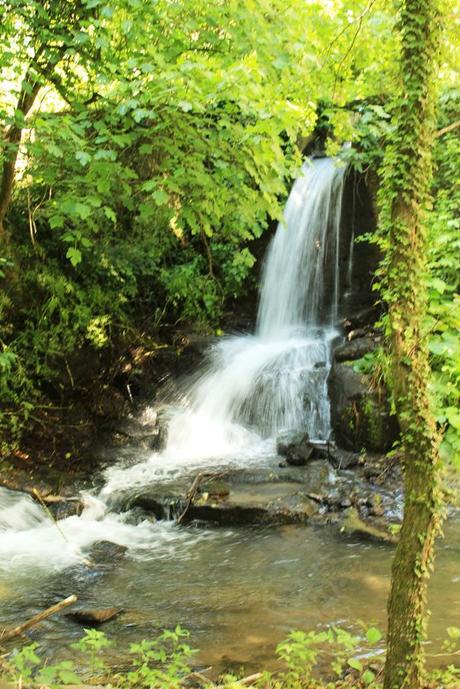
column 303, row 254
column 257, row 385
column 230, row 411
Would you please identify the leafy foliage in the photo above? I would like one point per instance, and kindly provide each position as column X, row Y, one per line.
column 158, row 141
column 331, row 659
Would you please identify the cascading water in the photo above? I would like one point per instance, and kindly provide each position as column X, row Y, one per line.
column 277, row 378
column 251, row 388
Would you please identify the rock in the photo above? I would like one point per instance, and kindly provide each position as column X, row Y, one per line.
column 150, row 430
column 260, row 503
column 360, row 412
column 352, row 525
column 295, row 446
column 93, row 617
column 104, row 551
column 343, row 459
column 215, row 488
column 62, row 507
column 362, row 318
column 357, row 348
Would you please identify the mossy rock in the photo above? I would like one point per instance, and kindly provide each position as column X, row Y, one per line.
column 360, row 412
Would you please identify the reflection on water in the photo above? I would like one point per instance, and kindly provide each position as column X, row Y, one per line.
column 239, row 591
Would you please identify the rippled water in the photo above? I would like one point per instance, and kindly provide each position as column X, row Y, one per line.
column 239, row 591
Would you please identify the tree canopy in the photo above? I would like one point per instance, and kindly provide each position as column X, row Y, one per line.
column 147, row 143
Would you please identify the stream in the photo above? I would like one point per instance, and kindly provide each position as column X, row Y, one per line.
column 238, row 589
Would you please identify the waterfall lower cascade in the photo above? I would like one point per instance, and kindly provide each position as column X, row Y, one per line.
column 250, row 388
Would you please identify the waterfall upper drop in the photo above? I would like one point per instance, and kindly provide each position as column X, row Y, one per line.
column 257, row 385
column 303, row 254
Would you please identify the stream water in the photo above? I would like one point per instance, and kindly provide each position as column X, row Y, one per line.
column 238, row 590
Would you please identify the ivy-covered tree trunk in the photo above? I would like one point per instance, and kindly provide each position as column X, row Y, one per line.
column 403, row 201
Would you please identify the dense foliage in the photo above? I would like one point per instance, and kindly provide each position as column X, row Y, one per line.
column 159, row 137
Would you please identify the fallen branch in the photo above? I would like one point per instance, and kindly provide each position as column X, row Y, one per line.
column 197, row 481
column 47, row 498
column 11, row 633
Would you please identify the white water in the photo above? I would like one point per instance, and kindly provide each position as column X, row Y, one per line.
column 252, row 387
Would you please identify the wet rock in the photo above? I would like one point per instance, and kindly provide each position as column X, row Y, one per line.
column 270, row 503
column 215, row 488
column 161, row 508
column 351, row 524
column 61, row 507
column 355, row 349
column 361, row 318
column 106, row 551
column 93, row 617
column 343, row 459
column 295, row 446
column 360, row 412
column 149, row 430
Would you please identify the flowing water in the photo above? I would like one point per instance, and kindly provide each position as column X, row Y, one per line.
column 228, row 414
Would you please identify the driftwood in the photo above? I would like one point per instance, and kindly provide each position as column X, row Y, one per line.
column 11, row 633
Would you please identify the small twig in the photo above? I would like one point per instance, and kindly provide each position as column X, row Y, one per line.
column 449, row 128
column 11, row 633
column 446, row 654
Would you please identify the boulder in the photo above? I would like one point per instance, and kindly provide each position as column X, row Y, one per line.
column 355, row 349
column 295, row 446
column 93, row 617
column 106, row 551
column 343, row 459
column 360, row 411
column 261, row 503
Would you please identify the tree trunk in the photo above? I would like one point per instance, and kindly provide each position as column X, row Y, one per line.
column 29, row 91
column 404, row 198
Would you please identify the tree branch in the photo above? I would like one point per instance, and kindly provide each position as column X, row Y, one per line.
column 449, row 128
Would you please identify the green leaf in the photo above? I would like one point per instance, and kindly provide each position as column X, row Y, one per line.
column 83, row 157
column 149, row 185
column 74, row 255
column 69, row 677
column 160, row 197
column 110, row 214
column 453, row 632
column 368, row 676
column 373, row 635
column 355, row 664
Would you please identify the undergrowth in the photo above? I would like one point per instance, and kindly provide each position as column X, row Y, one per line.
column 331, row 659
